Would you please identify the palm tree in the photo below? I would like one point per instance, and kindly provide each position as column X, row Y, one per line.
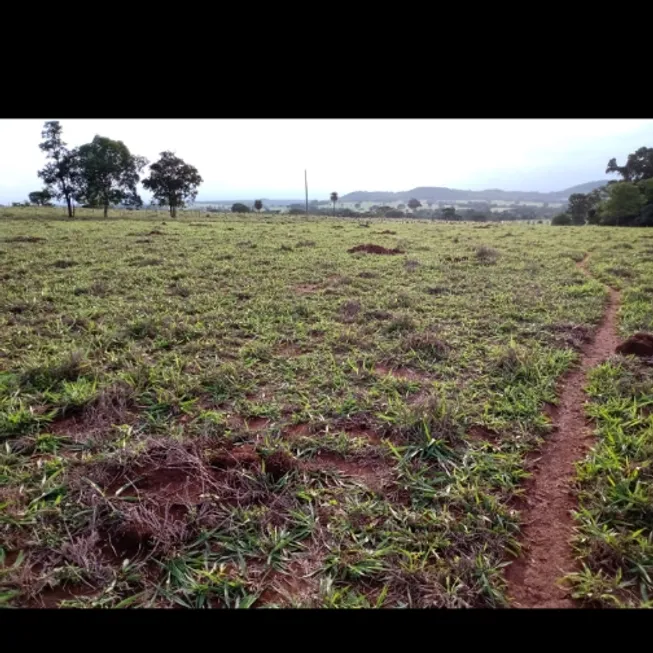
column 334, row 199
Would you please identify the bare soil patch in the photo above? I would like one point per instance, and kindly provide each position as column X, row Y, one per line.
column 298, row 429
column 244, row 456
column 279, row 463
column 404, row 373
column 53, row 597
column 298, row 583
column 479, row 433
column 290, row 350
column 374, row 249
column 257, row 423
column 306, row 288
column 639, row 344
column 367, row 472
column 25, row 239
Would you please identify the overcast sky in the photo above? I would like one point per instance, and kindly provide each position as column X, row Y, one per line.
column 247, row 159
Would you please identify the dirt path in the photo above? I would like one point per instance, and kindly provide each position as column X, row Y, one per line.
column 548, row 524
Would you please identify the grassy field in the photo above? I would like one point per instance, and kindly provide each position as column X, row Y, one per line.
column 237, row 412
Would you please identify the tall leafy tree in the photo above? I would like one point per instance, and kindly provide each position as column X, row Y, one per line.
column 238, row 207
column 579, row 206
column 61, row 173
column 334, row 199
column 639, row 165
column 258, row 205
column 646, row 188
column 41, row 197
column 173, row 182
column 414, row 204
column 109, row 174
column 594, row 199
column 624, row 204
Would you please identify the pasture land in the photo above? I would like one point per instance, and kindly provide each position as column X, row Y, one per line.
column 237, row 411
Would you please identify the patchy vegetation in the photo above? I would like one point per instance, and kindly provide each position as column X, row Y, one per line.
column 248, row 416
column 615, row 517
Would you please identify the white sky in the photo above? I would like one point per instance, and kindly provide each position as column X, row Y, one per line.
column 248, row 159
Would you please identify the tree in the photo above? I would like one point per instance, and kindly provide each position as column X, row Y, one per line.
column 61, row 173
column 41, row 197
column 579, row 205
column 561, row 219
column 646, row 218
column 239, row 208
column 109, row 173
column 594, row 199
column 646, row 189
column 449, row 213
column 623, row 205
column 639, row 165
column 593, row 216
column 173, row 182
column 414, row 204
column 334, row 199
column 258, row 205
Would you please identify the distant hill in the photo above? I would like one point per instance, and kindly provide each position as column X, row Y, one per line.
column 436, row 194
column 584, row 188
column 439, row 194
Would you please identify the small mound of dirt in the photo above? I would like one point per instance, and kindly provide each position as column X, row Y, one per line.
column 161, row 478
column 378, row 314
column 130, row 540
column 639, row 344
column 389, row 232
column 479, row 433
column 374, row 249
column 257, row 423
column 25, row 239
column 349, row 310
column 63, row 264
column 278, row 464
column 436, row 290
column 245, row 456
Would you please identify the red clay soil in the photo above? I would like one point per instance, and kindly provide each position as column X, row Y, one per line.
column 374, row 249
column 257, row 423
column 639, row 344
column 244, row 456
column 368, row 472
column 547, row 553
column 403, row 373
column 298, row 429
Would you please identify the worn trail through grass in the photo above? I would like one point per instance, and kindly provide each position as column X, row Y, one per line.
column 534, row 578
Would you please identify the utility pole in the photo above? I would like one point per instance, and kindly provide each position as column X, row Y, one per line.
column 306, row 188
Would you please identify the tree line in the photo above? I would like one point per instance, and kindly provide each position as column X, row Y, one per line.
column 623, row 203
column 104, row 173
